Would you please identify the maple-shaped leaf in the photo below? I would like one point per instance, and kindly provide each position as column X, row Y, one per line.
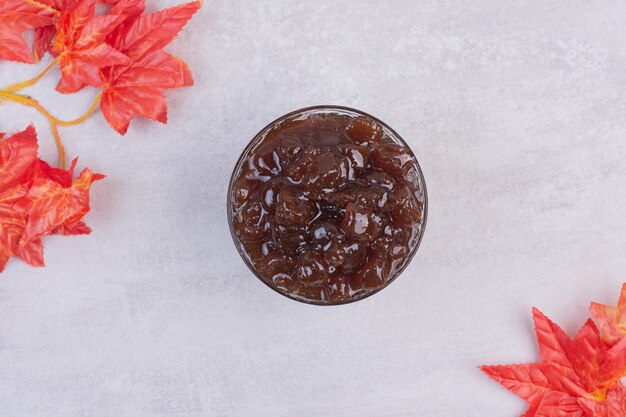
column 44, row 35
column 17, row 156
column 77, row 228
column 81, row 47
column 569, row 370
column 136, row 88
column 43, row 40
column 613, row 406
column 12, row 225
column 37, row 199
column 63, row 177
column 128, row 7
column 555, row 404
column 16, row 17
column 612, row 320
column 55, row 4
column 50, row 205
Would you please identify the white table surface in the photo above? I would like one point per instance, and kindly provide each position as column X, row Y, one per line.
column 517, row 113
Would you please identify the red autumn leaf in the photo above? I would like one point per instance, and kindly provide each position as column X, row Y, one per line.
column 55, row 4
column 64, row 177
column 77, row 228
column 614, row 406
column 80, row 44
column 569, row 371
column 16, row 17
column 555, row 404
column 136, row 88
column 12, row 225
column 50, row 205
column 37, row 200
column 45, row 34
column 17, row 156
column 128, row 7
column 612, row 320
column 43, row 40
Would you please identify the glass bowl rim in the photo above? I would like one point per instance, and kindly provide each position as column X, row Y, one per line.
column 253, row 143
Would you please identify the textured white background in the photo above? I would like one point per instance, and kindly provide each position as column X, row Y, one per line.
column 516, row 111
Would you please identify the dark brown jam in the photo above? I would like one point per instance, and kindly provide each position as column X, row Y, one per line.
column 327, row 206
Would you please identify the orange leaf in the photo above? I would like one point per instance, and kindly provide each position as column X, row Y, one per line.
column 43, row 40
column 80, row 44
column 614, row 406
column 12, row 225
column 55, row 4
column 37, row 199
column 17, row 156
column 531, row 382
column 612, row 320
column 76, row 228
column 154, row 31
column 16, row 17
column 50, row 205
column 45, row 34
column 555, row 404
column 61, row 176
column 128, row 7
column 570, row 373
column 136, row 88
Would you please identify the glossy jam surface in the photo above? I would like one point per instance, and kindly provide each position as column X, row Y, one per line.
column 326, row 206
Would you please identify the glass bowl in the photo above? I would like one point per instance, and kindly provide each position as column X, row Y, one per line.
column 417, row 179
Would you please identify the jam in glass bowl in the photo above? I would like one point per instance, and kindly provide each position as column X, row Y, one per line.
column 327, row 205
